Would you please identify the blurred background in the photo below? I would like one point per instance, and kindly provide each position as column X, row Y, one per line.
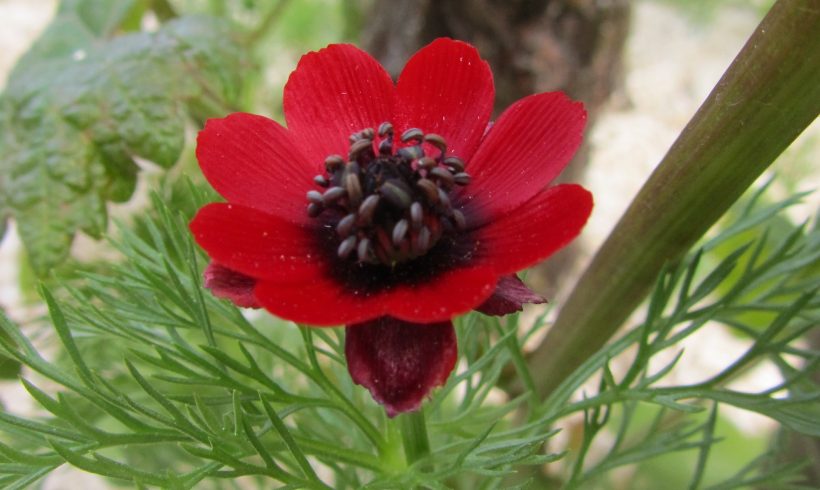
column 641, row 67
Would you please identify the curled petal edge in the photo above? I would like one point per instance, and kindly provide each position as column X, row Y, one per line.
column 400, row 362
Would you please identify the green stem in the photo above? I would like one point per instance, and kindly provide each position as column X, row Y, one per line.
column 766, row 98
column 268, row 21
column 414, row 436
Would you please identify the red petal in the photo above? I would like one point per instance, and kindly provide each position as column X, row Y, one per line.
column 254, row 243
column 326, row 302
column 253, row 161
column 400, row 362
column 446, row 88
column 333, row 93
column 231, row 285
column 535, row 230
column 527, row 147
column 509, row 296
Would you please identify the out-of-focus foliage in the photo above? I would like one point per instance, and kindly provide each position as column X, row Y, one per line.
column 87, row 99
column 704, row 10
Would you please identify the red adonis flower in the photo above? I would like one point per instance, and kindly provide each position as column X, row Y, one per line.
column 389, row 208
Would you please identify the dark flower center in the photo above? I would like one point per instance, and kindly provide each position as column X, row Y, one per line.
column 392, row 206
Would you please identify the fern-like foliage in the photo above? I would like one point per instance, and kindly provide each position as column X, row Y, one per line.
column 159, row 384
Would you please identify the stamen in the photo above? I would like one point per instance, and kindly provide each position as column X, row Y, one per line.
column 462, row 178
column 455, row 164
column 385, row 128
column 315, row 197
column 416, row 214
column 358, row 148
column 386, row 147
column 430, row 190
column 347, row 246
column 411, row 152
column 461, row 221
column 333, row 194
column 399, row 231
column 422, row 242
column 443, row 176
column 392, row 206
column 314, row 209
column 438, row 142
column 412, row 134
column 426, row 163
column 363, row 250
column 444, row 200
column 353, row 188
column 333, row 163
column 396, row 193
column 345, row 225
column 368, row 209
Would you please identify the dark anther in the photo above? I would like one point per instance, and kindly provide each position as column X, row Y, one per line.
column 359, row 147
column 333, row 163
column 436, row 141
column 422, row 242
column 399, row 231
column 444, row 200
column 411, row 152
column 345, row 225
column 321, row 181
column 363, row 250
column 416, row 214
column 396, row 193
column 427, row 163
column 353, row 188
column 461, row 222
column 347, row 246
column 455, row 163
column 412, row 134
column 333, row 194
column 429, row 188
column 314, row 209
column 367, row 209
column 386, row 145
column 385, row 128
column 392, row 206
column 363, row 134
column 315, row 196
column 443, row 176
column 462, row 178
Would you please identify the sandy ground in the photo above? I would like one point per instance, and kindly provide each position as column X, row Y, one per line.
column 672, row 64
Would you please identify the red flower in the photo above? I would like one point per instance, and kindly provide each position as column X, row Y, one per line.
column 428, row 214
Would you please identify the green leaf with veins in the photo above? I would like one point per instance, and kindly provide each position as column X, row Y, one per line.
column 83, row 103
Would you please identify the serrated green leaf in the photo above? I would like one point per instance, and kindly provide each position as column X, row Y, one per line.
column 83, row 103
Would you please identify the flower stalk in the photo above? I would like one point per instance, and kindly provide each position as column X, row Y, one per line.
column 414, row 436
column 766, row 98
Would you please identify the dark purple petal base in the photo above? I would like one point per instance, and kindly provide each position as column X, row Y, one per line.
column 228, row 284
column 509, row 296
column 400, row 362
